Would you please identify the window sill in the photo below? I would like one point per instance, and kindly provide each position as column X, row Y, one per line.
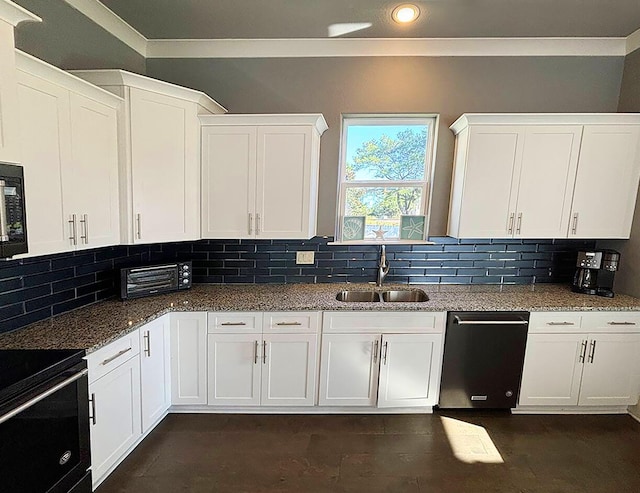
column 382, row 242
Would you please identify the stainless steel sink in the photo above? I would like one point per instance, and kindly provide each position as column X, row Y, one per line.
column 358, row 296
column 408, row 296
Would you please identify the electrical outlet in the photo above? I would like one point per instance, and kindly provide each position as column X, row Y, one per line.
column 305, row 258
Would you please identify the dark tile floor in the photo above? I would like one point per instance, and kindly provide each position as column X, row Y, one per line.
column 446, row 452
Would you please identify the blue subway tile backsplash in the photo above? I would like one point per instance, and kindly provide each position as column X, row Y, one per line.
column 36, row 288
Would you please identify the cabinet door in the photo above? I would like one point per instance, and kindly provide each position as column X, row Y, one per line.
column 235, row 363
column 490, row 181
column 607, row 182
column 611, row 374
column 228, row 181
column 549, row 162
column 115, row 412
column 165, row 162
column 284, row 182
column 155, row 371
column 44, row 127
column 92, row 172
column 289, row 369
column 410, row 370
column 188, row 358
column 9, row 108
column 552, row 369
column 349, row 369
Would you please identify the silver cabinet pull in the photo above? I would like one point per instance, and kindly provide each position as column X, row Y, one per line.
column 74, row 230
column 147, row 343
column 264, row 353
column 385, row 349
column 139, row 231
column 92, row 416
column 115, row 356
column 621, row 323
column 375, row 351
column 592, row 351
column 85, row 223
column 4, row 227
column 250, row 223
column 583, row 351
column 233, row 323
column 511, row 218
column 257, row 223
column 519, row 225
column 574, row 227
column 289, row 323
column 560, row 323
column 255, row 359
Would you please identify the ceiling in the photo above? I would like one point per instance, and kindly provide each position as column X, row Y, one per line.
column 259, row 19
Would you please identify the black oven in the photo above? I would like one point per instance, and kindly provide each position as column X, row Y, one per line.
column 154, row 279
column 44, row 422
column 13, row 223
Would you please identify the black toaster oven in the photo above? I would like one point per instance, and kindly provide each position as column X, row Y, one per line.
column 137, row 282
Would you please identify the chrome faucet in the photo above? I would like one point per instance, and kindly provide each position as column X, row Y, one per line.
column 383, row 266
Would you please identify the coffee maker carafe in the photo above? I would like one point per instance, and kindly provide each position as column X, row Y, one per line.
column 595, row 272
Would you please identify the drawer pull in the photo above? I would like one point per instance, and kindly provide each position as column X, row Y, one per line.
column 115, row 356
column 233, row 323
column 621, row 323
column 289, row 323
column 560, row 323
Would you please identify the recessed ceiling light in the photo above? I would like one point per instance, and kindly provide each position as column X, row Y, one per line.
column 405, row 13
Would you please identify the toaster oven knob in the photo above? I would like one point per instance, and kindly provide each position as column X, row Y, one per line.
column 186, row 281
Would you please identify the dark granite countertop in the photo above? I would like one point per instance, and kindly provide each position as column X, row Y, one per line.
column 96, row 325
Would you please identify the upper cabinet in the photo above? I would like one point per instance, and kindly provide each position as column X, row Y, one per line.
column 10, row 16
column 159, row 132
column 69, row 150
column 260, row 175
column 545, row 176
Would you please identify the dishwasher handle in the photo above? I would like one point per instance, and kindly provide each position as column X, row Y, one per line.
column 461, row 321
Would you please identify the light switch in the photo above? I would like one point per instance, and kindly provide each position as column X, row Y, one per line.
column 305, row 258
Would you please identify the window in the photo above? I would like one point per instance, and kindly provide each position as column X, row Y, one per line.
column 385, row 171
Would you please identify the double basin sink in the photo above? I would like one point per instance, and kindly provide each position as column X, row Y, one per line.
column 397, row 296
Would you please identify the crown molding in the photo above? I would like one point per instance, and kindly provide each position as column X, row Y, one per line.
column 315, row 119
column 633, row 41
column 14, row 14
column 112, row 23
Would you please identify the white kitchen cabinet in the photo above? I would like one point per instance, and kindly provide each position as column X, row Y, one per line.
column 188, row 341
column 545, row 175
column 155, row 374
column 159, row 155
column 260, row 175
column 11, row 15
column 390, row 359
column 582, row 359
column 114, row 407
column 68, row 132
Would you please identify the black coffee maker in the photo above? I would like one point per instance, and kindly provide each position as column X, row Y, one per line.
column 595, row 272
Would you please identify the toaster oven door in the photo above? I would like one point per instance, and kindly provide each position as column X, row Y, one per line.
column 146, row 281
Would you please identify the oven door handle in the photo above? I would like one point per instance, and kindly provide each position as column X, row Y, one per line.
column 42, row 396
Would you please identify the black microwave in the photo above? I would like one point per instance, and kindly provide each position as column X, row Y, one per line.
column 137, row 282
column 13, row 220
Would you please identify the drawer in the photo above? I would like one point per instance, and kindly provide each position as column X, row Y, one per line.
column 612, row 321
column 113, row 355
column 387, row 322
column 288, row 322
column 545, row 322
column 234, row 322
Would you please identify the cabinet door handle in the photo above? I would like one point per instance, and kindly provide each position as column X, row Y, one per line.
column 289, row 323
column 257, row 223
column 147, row 343
column 233, row 323
column 74, row 229
column 583, row 351
column 139, row 232
column 621, row 323
column 250, row 223
column 511, row 218
column 255, row 360
column 375, row 351
column 115, row 356
column 264, row 353
column 85, row 223
column 560, row 323
column 519, row 225
column 574, row 227
column 92, row 416
column 385, row 349
column 592, row 352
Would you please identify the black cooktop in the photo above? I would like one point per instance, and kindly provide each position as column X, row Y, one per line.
column 22, row 369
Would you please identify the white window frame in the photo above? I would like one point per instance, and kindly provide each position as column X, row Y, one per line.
column 432, row 121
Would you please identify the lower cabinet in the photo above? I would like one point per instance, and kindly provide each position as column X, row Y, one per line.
column 582, row 359
column 381, row 369
column 188, row 341
column 155, row 373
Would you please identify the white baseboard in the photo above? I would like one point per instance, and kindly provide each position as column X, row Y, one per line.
column 570, row 410
column 203, row 409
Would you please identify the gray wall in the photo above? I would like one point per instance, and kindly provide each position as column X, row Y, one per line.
column 448, row 86
column 69, row 40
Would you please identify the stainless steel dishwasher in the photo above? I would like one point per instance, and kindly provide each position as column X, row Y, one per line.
column 483, row 357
